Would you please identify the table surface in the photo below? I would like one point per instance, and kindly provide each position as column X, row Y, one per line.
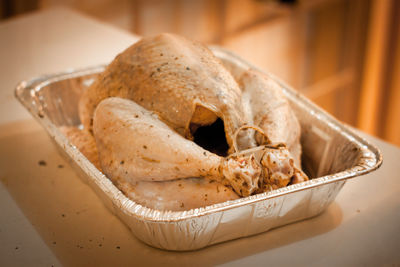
column 50, row 217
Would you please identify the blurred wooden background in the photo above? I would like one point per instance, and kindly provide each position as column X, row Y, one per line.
column 343, row 54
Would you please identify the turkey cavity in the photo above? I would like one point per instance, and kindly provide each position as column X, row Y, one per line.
column 212, row 138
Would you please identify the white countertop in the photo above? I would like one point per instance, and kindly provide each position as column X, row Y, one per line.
column 50, row 217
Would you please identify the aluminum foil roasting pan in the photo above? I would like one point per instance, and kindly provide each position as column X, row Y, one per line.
column 332, row 153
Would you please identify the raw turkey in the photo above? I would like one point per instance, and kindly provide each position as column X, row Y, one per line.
column 157, row 109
